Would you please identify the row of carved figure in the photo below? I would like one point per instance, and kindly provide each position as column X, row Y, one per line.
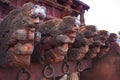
column 25, row 38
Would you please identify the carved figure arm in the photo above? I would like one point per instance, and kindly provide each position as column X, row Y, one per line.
column 13, row 40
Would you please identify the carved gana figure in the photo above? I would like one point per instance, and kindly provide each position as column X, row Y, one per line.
column 56, row 36
column 19, row 35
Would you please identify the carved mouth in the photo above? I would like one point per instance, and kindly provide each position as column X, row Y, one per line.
column 72, row 34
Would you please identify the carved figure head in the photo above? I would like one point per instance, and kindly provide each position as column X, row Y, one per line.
column 69, row 27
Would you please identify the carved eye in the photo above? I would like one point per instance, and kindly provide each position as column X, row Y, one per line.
column 36, row 6
column 39, row 11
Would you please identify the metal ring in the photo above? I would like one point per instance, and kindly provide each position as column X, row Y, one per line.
column 50, row 68
column 23, row 71
column 78, row 66
column 63, row 68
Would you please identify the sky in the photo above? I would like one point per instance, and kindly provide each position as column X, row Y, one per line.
column 105, row 14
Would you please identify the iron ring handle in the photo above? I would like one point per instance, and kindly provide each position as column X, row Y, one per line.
column 23, row 71
column 48, row 67
column 78, row 66
column 63, row 68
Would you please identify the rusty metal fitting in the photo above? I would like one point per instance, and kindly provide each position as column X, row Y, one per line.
column 48, row 69
column 22, row 72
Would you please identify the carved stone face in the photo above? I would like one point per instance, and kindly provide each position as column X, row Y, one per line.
column 78, row 49
column 77, row 53
column 58, row 53
column 90, row 40
column 104, row 49
column 35, row 15
column 89, row 36
column 72, row 34
column 69, row 26
column 83, row 51
column 103, row 39
column 58, row 49
column 62, row 50
column 62, row 46
column 94, row 49
column 38, row 13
